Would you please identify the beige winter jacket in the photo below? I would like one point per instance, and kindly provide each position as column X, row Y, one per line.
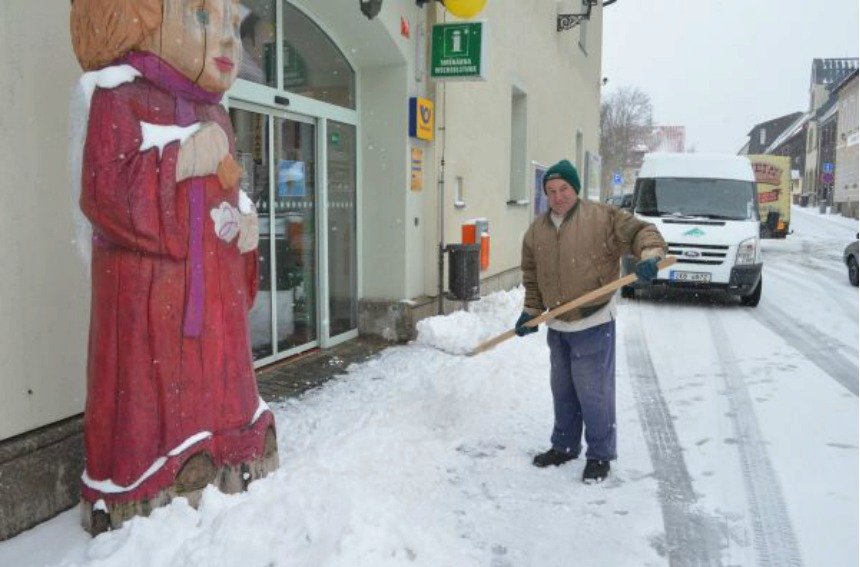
column 583, row 254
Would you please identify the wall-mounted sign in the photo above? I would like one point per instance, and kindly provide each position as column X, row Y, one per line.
column 417, row 174
column 459, row 51
column 421, row 118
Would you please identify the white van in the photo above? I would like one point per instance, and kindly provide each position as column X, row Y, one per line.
column 706, row 208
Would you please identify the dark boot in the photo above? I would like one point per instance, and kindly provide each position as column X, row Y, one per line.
column 552, row 457
column 595, row 471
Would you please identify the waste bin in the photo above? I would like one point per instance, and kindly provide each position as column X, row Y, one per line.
column 804, row 200
column 464, row 263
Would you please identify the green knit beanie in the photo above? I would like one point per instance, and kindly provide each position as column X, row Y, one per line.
column 563, row 170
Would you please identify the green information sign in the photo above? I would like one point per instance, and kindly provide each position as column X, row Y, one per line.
column 459, row 51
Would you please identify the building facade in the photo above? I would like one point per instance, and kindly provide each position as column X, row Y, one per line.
column 352, row 207
column 845, row 193
column 825, row 73
column 763, row 134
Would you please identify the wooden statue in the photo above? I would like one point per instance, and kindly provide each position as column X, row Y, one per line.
column 172, row 402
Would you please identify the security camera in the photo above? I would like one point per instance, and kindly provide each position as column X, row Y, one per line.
column 370, row 8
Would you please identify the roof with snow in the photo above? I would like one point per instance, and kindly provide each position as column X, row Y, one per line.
column 836, row 87
column 830, row 71
column 789, row 132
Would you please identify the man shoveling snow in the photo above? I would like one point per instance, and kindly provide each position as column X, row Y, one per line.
column 573, row 249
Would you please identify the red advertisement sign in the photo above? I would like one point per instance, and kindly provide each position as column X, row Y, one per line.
column 769, row 196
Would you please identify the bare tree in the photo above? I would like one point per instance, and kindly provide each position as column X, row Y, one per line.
column 626, row 130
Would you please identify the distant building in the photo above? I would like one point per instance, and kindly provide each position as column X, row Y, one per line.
column 763, row 134
column 845, row 192
column 825, row 74
column 792, row 143
column 669, row 139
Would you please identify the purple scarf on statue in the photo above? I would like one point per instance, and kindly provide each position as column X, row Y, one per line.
column 163, row 75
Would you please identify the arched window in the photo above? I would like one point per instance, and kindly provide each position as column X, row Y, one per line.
column 313, row 65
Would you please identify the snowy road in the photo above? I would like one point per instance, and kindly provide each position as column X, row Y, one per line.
column 738, row 445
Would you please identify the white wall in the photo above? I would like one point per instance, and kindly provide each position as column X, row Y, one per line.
column 44, row 290
column 562, row 84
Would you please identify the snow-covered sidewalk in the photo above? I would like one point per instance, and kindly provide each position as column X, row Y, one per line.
column 423, row 457
column 416, row 457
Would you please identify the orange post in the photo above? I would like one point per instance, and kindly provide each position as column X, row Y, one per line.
column 485, row 251
column 468, row 233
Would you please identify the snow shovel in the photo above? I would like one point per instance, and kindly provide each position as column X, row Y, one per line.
column 604, row 290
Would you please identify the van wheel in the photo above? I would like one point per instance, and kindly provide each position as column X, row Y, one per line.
column 628, row 292
column 752, row 299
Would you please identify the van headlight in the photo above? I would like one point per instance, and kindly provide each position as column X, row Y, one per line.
column 746, row 252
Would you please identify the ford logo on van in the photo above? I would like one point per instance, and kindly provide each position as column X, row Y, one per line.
column 691, row 253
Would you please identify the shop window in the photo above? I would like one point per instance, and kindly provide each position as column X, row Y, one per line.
column 313, row 65
column 257, row 31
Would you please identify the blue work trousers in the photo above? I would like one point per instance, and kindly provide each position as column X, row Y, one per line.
column 583, row 390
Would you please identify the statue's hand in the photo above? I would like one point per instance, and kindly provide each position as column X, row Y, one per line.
column 229, row 173
column 202, row 153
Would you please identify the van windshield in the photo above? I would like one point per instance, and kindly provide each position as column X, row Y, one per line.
column 726, row 199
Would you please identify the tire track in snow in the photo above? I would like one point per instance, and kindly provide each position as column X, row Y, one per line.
column 774, row 538
column 818, row 349
column 691, row 537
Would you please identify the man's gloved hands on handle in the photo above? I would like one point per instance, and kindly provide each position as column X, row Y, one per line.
column 520, row 329
column 646, row 270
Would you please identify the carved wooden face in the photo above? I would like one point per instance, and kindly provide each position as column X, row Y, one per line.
column 200, row 38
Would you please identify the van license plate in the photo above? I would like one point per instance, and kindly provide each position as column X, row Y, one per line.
column 700, row 277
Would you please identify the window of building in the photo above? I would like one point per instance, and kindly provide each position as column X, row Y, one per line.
column 313, row 65
column 762, row 136
column 257, row 31
column 519, row 130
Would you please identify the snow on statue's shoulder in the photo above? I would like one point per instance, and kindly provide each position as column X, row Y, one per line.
column 107, row 78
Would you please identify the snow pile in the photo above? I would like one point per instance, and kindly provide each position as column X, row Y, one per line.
column 461, row 331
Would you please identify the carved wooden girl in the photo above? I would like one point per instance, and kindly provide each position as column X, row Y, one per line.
column 172, row 402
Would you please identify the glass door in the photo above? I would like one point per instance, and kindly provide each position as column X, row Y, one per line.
column 253, row 154
column 295, row 243
column 277, row 153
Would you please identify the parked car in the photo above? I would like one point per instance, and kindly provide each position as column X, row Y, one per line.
column 849, row 257
column 621, row 201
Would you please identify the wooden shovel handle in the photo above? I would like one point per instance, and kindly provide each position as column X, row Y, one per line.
column 564, row 308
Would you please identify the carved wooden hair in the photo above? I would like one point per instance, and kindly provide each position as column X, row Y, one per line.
column 104, row 30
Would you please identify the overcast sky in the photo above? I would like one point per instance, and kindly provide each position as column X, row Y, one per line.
column 720, row 67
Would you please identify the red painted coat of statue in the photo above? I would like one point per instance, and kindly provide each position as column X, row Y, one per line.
column 156, row 395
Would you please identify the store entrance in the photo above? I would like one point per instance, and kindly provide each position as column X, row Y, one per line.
column 278, row 155
column 301, row 173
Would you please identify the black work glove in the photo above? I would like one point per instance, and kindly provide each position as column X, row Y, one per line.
column 646, row 270
column 520, row 329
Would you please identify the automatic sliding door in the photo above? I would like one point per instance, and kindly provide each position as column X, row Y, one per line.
column 294, row 206
column 252, row 151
